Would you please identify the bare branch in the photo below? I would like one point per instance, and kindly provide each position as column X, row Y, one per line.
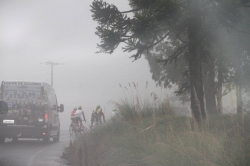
column 142, row 48
column 134, row 10
column 152, row 45
column 174, row 56
column 182, row 40
column 240, row 31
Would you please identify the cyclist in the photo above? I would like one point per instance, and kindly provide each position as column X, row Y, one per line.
column 78, row 114
column 72, row 116
column 96, row 116
column 101, row 116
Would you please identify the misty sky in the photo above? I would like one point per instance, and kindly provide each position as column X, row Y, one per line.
column 63, row 31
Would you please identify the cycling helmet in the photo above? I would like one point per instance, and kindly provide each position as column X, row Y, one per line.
column 80, row 107
column 98, row 106
column 75, row 108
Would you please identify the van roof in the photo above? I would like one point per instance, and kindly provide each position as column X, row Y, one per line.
column 47, row 87
column 26, row 81
column 22, row 81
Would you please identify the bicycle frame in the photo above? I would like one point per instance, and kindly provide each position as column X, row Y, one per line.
column 77, row 128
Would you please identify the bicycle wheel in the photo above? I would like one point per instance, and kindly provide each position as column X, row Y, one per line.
column 83, row 130
column 80, row 131
column 86, row 130
column 76, row 131
column 71, row 129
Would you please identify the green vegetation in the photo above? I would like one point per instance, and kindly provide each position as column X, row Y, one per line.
column 142, row 135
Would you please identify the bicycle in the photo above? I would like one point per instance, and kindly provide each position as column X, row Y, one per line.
column 95, row 125
column 77, row 129
column 71, row 129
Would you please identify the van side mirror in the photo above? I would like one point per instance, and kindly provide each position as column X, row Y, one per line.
column 3, row 107
column 61, row 108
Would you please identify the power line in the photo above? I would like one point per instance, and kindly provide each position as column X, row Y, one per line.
column 51, row 65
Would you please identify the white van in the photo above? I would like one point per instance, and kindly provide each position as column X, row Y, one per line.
column 33, row 111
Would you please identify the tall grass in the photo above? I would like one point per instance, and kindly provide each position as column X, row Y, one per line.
column 146, row 132
column 135, row 106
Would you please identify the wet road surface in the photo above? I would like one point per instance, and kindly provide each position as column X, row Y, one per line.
column 33, row 152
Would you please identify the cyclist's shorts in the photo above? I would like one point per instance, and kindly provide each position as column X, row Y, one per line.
column 77, row 119
column 73, row 118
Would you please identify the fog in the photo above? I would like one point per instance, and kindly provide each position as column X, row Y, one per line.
column 33, row 32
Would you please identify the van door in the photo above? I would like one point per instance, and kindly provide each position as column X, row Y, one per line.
column 54, row 119
column 57, row 115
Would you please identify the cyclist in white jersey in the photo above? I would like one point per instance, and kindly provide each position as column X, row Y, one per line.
column 78, row 114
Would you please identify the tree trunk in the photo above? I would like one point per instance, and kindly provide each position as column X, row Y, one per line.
column 238, row 92
column 194, row 60
column 239, row 99
column 219, row 91
column 209, row 86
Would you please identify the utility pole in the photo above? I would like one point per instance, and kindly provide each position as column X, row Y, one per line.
column 51, row 65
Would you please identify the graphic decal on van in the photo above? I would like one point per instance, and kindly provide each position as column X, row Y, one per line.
column 24, row 99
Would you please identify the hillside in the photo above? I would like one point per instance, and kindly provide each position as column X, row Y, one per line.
column 157, row 138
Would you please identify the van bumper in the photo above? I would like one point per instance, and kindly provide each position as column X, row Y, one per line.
column 23, row 131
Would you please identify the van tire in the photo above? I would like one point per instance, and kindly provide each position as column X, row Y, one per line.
column 14, row 139
column 56, row 139
column 2, row 140
column 46, row 138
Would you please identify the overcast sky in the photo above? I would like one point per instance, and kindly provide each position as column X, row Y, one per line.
column 63, row 31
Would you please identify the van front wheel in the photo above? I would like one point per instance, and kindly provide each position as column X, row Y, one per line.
column 2, row 140
column 46, row 138
column 15, row 139
column 56, row 139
